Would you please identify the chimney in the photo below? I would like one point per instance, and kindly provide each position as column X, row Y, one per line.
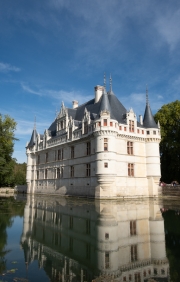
column 75, row 104
column 98, row 92
column 141, row 120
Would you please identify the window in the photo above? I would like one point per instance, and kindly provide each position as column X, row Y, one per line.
column 85, row 127
column 62, row 125
column 132, row 227
column 137, row 277
column 138, row 131
column 149, row 271
column 38, row 159
column 45, row 174
column 106, row 236
column 148, row 132
column 131, row 126
column 72, row 171
column 130, row 277
column 154, row 132
column 70, row 133
column 58, row 172
column 88, row 170
column 105, row 122
column 99, row 124
column 106, row 165
column 55, row 155
column 105, row 144
column 142, row 131
column 72, row 152
column 155, row 271
column 130, row 169
column 46, row 158
column 130, row 148
column 60, row 154
column 106, row 260
column 37, row 174
column 144, row 273
column 124, row 128
column 124, row 278
column 111, row 123
column 133, row 253
column 88, row 148
column 120, row 127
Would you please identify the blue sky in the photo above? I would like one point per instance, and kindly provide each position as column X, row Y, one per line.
column 53, row 51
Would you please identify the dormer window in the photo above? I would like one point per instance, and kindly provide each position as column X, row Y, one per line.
column 131, row 126
column 85, row 127
column 105, row 122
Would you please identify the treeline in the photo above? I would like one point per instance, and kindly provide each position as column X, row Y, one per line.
column 11, row 173
column 169, row 119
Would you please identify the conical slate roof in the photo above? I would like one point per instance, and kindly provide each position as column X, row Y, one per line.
column 148, row 120
column 33, row 138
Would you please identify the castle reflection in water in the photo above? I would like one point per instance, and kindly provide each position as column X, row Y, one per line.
column 79, row 240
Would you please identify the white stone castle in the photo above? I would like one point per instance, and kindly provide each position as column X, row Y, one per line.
column 98, row 150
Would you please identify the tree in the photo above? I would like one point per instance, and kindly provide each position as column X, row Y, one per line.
column 169, row 119
column 7, row 128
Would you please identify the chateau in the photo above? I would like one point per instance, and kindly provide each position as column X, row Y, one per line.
column 98, row 149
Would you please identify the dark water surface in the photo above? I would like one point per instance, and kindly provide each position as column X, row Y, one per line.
column 58, row 239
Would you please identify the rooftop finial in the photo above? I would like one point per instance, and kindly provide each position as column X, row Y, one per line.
column 147, row 100
column 104, row 81
column 35, row 123
column 110, row 83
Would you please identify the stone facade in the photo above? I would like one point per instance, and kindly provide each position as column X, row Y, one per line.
column 98, row 150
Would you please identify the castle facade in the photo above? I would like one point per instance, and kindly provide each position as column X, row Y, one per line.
column 98, row 149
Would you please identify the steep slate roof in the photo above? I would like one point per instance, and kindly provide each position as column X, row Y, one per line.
column 33, row 138
column 148, row 120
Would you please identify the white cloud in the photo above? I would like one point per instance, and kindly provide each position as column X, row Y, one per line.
column 7, row 68
column 61, row 95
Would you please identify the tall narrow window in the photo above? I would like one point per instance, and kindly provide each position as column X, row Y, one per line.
column 105, row 122
column 137, row 277
column 130, row 148
column 70, row 133
column 88, row 148
column 131, row 126
column 55, row 155
column 88, row 170
column 72, row 152
column 133, row 227
column 38, row 159
column 72, row 171
column 46, row 158
column 85, row 127
column 62, row 154
column 58, row 172
column 130, row 169
column 105, row 144
column 37, row 174
column 46, row 173
column 59, row 154
column 62, row 125
column 133, row 253
column 106, row 260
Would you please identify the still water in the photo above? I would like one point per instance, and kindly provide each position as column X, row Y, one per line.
column 59, row 239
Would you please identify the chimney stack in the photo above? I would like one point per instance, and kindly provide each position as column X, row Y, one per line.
column 75, row 104
column 98, row 92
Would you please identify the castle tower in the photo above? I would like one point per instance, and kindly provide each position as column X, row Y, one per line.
column 152, row 149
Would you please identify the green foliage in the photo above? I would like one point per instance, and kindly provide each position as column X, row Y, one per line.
column 19, row 174
column 169, row 118
column 7, row 128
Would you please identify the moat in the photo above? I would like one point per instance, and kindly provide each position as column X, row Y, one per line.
column 60, row 239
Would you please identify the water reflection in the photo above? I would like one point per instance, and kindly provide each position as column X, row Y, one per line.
column 79, row 240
